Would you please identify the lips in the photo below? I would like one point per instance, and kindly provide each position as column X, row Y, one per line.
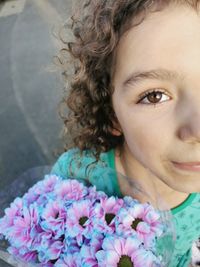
column 190, row 166
column 188, row 163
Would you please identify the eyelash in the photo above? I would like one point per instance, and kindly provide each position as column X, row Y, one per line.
column 143, row 96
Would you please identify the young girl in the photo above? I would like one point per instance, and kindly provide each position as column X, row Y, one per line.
column 134, row 105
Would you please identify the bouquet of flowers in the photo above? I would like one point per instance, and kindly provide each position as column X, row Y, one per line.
column 64, row 223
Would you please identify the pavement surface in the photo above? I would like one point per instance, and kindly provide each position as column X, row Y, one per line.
column 30, row 89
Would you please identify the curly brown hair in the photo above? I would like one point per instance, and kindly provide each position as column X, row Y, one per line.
column 90, row 116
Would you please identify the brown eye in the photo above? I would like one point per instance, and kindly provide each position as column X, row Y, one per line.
column 153, row 97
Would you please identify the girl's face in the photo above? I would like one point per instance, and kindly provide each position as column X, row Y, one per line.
column 161, row 55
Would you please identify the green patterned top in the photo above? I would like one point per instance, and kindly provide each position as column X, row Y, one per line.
column 186, row 216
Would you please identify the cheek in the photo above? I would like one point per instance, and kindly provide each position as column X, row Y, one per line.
column 144, row 143
column 146, row 135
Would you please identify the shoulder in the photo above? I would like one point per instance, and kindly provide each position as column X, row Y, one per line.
column 60, row 166
column 84, row 167
column 74, row 163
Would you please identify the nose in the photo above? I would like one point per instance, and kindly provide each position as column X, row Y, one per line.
column 190, row 130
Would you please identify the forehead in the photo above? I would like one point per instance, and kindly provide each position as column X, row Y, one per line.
column 167, row 38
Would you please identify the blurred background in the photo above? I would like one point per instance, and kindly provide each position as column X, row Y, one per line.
column 31, row 86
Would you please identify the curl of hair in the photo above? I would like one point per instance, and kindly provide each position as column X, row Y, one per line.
column 90, row 117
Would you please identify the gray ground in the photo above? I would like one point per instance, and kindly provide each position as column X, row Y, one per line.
column 29, row 91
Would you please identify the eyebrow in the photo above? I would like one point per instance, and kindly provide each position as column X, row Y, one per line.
column 155, row 74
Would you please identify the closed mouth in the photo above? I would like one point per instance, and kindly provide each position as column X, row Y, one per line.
column 190, row 166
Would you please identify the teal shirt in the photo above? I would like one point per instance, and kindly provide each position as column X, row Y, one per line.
column 85, row 168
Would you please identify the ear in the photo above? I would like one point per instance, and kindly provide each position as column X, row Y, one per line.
column 117, row 131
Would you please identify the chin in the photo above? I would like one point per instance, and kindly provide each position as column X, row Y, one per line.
column 183, row 181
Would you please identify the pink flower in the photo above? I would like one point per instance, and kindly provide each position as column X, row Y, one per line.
column 46, row 185
column 23, row 253
column 124, row 252
column 140, row 219
column 107, row 210
column 54, row 217
column 70, row 190
column 51, row 250
column 39, row 192
column 96, row 195
column 19, row 233
column 79, row 220
column 63, row 223
column 11, row 213
column 88, row 251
